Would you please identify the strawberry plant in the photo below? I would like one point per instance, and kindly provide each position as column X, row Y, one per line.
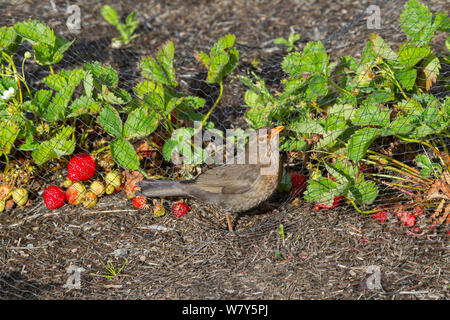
column 336, row 111
column 126, row 30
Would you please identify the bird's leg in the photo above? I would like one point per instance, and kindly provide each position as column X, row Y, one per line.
column 230, row 225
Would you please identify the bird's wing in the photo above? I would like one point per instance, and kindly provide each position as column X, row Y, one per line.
column 228, row 179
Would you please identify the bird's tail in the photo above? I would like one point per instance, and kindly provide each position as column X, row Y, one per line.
column 161, row 188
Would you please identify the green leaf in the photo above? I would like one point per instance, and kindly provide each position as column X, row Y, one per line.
column 313, row 59
column 161, row 69
column 321, row 190
column 140, row 123
column 83, row 105
column 344, row 111
column 109, row 119
column 410, row 54
column 124, row 154
column 110, row 15
column 217, row 64
column 102, row 75
column 427, row 166
column 7, row 38
column 416, row 22
column 165, row 57
column 55, row 81
column 58, row 146
column 406, row 77
column 293, row 144
column 400, row 125
column 364, row 192
column 8, row 134
column 372, row 114
column 30, row 144
column 36, row 32
column 308, row 127
column 360, row 142
column 259, row 116
column 382, row 48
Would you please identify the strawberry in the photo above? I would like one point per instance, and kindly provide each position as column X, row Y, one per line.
column 97, row 187
column 89, row 199
column 381, row 216
column 140, row 202
column 180, row 208
column 298, row 183
column 110, row 189
column 20, row 196
column 81, row 167
column 158, row 211
column 5, row 192
column 408, row 219
column 75, row 193
column 113, row 178
column 54, row 197
column 336, row 203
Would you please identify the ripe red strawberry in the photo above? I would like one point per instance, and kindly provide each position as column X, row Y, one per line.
column 298, row 183
column 81, row 167
column 381, row 216
column 336, row 203
column 54, row 197
column 408, row 218
column 140, row 202
column 180, row 208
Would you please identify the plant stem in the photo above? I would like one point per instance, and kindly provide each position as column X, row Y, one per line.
column 212, row 109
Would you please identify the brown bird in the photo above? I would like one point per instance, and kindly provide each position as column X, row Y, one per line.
column 233, row 187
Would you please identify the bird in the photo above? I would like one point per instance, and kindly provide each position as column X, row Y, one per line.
column 233, row 188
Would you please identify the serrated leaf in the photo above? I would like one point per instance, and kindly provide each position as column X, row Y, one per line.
column 313, row 59
column 410, row 54
column 364, row 192
column 58, row 146
column 360, row 142
column 35, row 32
column 7, row 38
column 406, row 77
column 102, row 75
column 124, row 154
column 140, row 123
column 372, row 114
column 292, row 144
column 109, row 119
column 427, row 166
column 83, row 105
column 321, row 190
column 382, row 48
column 416, row 22
column 344, row 111
column 400, row 125
column 8, row 134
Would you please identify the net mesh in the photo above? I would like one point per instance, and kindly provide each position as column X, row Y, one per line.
column 293, row 249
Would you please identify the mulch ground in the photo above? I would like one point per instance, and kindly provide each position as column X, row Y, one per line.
column 324, row 254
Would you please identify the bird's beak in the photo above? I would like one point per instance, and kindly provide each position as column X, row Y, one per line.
column 276, row 130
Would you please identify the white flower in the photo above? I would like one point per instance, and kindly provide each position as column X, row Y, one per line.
column 8, row 94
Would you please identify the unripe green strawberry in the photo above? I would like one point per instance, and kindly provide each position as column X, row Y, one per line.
column 97, row 187
column 2, row 205
column 5, row 192
column 113, row 178
column 67, row 183
column 75, row 193
column 110, row 189
column 158, row 211
column 20, row 196
column 90, row 199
